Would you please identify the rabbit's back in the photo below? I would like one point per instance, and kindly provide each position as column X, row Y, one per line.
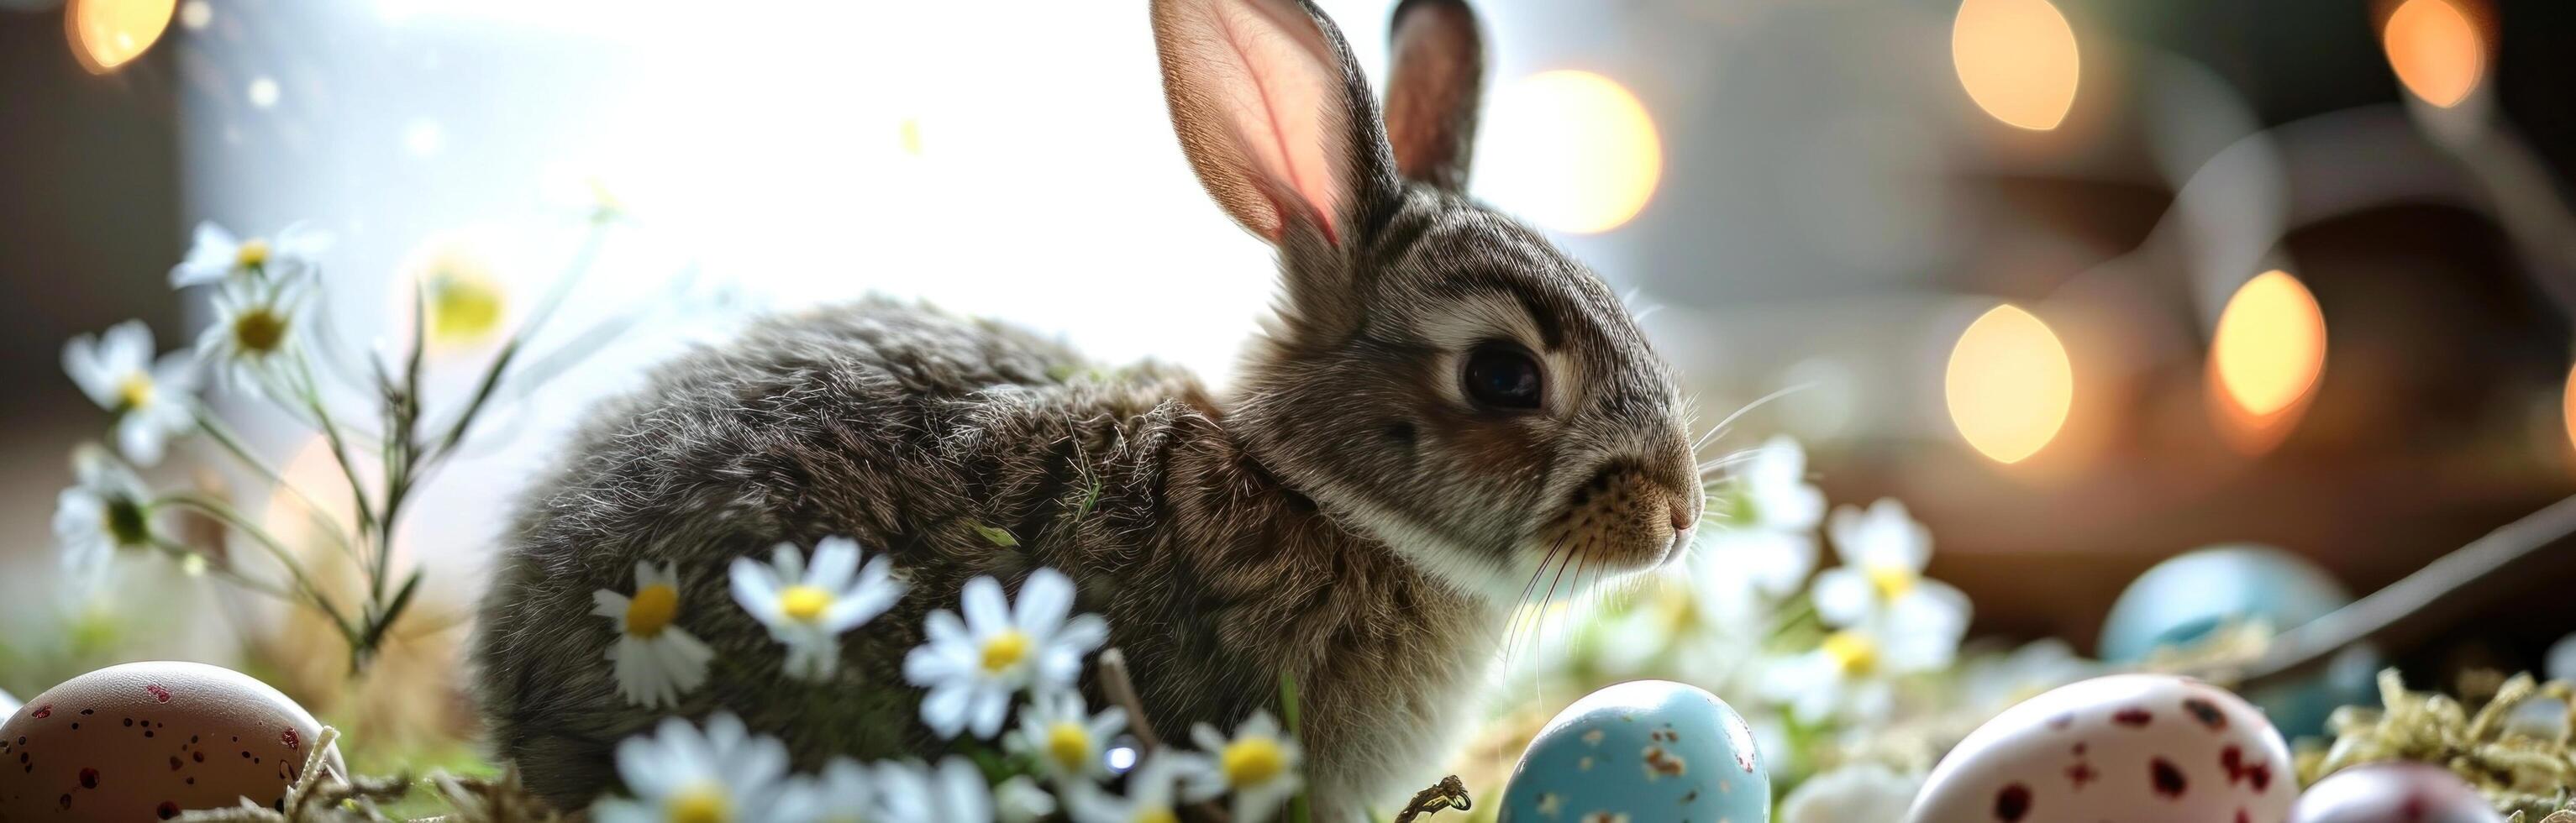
column 870, row 420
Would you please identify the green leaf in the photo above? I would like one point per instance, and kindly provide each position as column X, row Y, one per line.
column 1088, row 498
column 997, row 536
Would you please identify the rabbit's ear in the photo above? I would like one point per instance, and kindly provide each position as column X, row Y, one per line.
column 1434, row 89
column 1273, row 114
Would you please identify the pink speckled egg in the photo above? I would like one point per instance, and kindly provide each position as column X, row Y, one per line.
column 2131, row 748
column 2393, row 793
column 144, row 741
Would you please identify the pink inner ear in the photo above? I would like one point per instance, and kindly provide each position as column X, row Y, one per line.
column 1270, row 81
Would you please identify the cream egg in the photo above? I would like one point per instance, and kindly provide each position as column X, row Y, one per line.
column 143, row 741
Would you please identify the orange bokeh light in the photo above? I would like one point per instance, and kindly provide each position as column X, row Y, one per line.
column 2018, row 60
column 106, row 34
column 2435, row 50
column 2009, row 384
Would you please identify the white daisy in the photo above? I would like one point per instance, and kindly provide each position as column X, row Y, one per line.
column 973, row 666
column 108, row 510
column 1768, row 538
column 1994, row 683
column 656, row 661
column 1881, row 580
column 216, row 256
column 844, row 792
column 150, row 398
column 1071, row 743
column 256, row 331
column 1258, row 766
column 680, row 775
column 1020, row 800
column 809, row 608
column 1866, row 791
column 955, row 792
column 1152, row 793
column 1851, row 674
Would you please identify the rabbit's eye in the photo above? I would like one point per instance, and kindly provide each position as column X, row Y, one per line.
column 1502, row 376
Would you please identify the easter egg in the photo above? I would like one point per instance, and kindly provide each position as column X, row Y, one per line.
column 1641, row 750
column 2393, row 793
column 144, row 741
column 2139, row 748
column 2183, row 600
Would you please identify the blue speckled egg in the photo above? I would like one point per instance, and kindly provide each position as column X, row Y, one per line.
column 1644, row 750
column 2184, row 599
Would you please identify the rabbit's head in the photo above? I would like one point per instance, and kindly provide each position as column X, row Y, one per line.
column 1436, row 372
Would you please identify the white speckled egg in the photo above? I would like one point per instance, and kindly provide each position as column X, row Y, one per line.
column 143, row 741
column 2138, row 748
column 2394, row 793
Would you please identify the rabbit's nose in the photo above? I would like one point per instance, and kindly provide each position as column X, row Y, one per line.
column 1681, row 515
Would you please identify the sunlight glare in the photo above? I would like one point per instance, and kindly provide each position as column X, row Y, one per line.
column 1572, row 150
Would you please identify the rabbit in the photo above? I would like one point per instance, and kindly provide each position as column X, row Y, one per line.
column 1441, row 409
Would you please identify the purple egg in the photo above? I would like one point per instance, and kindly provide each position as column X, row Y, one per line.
column 2393, row 793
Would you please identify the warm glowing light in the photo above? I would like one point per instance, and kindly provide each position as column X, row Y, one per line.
column 1572, row 150
column 2270, row 345
column 2435, row 51
column 2017, row 59
column 106, row 34
column 2569, row 401
column 2009, row 384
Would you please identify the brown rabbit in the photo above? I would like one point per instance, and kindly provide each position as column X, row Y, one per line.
column 1444, row 409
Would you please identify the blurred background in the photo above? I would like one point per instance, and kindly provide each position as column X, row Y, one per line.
column 2088, row 283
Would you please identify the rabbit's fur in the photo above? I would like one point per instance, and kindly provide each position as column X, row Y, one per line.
column 1348, row 515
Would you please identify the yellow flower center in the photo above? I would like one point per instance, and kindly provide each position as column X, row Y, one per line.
column 464, row 302
column 134, row 391
column 259, row 330
column 1252, row 761
column 1070, row 744
column 652, row 610
column 698, row 804
column 252, row 254
column 1156, row 814
column 1005, row 650
column 805, row 604
column 1853, row 651
column 1893, row 581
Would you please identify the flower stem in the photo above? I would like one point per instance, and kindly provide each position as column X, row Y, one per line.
column 222, row 569
column 225, row 512
column 224, row 435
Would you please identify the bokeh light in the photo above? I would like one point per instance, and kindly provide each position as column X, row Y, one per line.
column 2270, row 344
column 106, row 34
column 2567, row 399
column 2436, row 52
column 2018, row 60
column 2009, row 384
column 1572, row 150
